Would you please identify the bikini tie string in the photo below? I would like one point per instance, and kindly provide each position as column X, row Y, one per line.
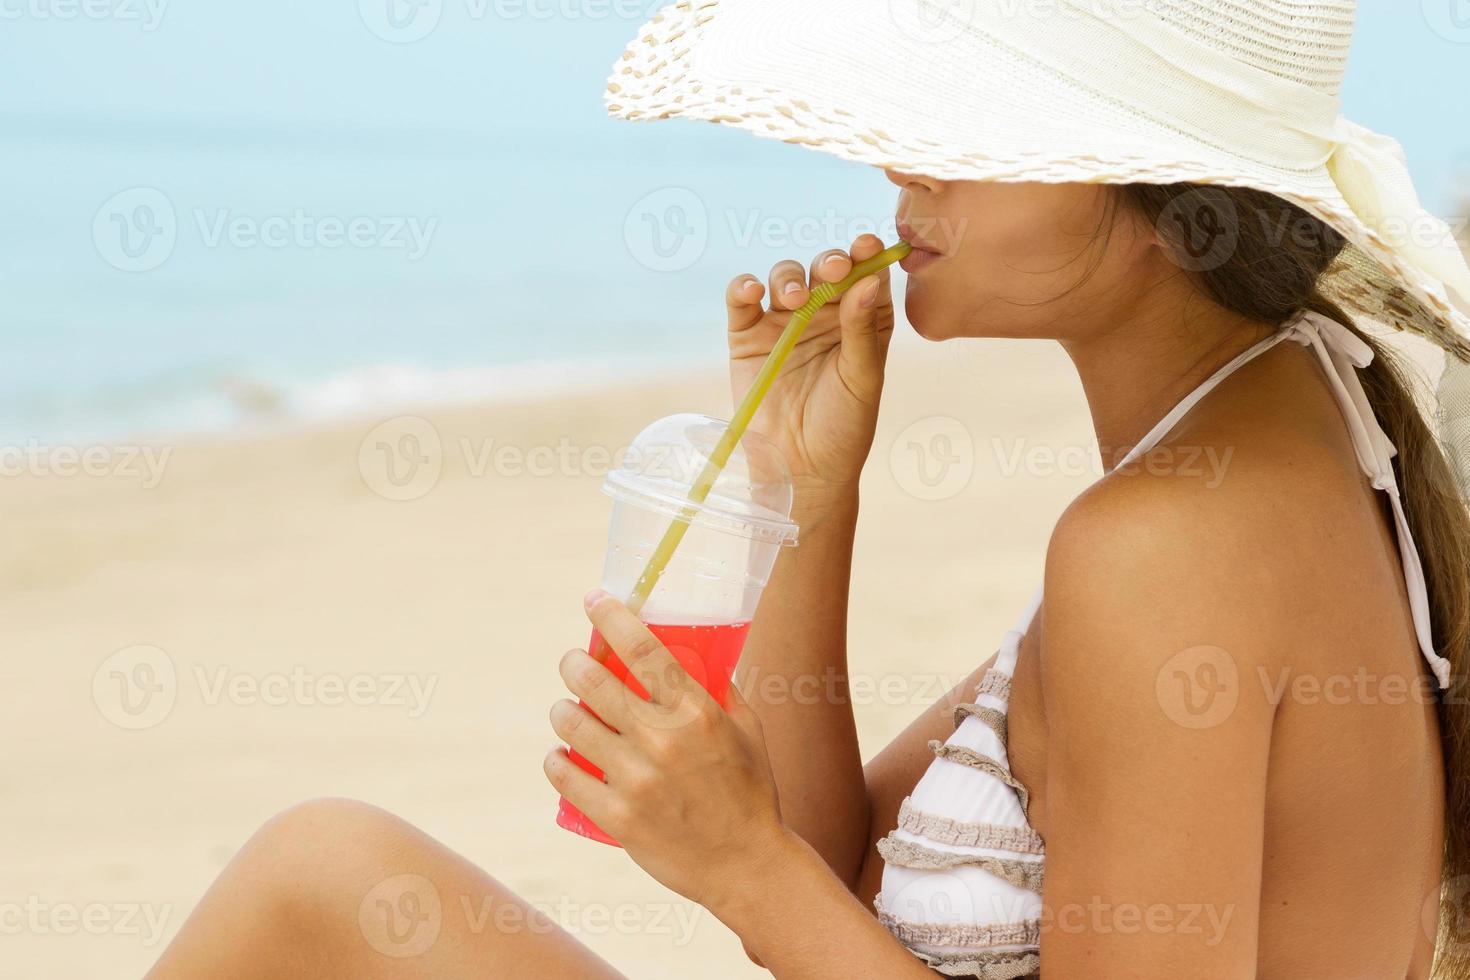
column 1342, row 354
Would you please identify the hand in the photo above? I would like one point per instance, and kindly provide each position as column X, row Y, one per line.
column 823, row 409
column 688, row 789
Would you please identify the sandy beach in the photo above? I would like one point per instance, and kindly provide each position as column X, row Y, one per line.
column 193, row 647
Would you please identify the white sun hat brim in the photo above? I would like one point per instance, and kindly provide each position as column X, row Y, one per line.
column 1239, row 93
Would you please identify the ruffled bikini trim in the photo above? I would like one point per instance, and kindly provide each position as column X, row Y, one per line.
column 977, row 937
column 984, row 763
column 961, row 833
column 908, row 854
column 986, row 966
column 996, row 684
column 993, row 718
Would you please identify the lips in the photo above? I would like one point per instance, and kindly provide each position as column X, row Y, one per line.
column 924, row 253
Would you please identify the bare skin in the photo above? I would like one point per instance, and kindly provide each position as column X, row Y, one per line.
column 1298, row 828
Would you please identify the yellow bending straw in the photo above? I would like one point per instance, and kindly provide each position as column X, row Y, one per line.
column 822, row 294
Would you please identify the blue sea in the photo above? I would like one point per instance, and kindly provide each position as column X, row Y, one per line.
column 166, row 279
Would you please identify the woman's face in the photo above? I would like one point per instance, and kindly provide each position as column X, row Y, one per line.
column 1017, row 260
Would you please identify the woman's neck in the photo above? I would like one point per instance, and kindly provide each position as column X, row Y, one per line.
column 1150, row 356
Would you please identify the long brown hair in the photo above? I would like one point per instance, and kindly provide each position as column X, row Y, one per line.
column 1262, row 257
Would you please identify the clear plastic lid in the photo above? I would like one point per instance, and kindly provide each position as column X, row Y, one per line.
column 752, row 496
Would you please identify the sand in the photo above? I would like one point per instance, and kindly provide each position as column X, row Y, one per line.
column 327, row 641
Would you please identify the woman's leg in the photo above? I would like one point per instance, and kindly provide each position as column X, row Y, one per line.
column 334, row 888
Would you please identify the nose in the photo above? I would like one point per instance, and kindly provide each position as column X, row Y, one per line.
column 911, row 182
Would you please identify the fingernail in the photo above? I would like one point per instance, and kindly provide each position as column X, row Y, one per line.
column 791, row 289
column 869, row 295
column 593, row 598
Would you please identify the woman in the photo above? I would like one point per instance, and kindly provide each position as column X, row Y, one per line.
column 1225, row 739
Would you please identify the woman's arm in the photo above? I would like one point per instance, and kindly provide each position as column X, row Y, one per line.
column 794, row 675
column 1157, row 620
column 822, row 413
column 800, row 922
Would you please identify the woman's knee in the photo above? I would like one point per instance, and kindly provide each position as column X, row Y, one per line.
column 320, row 857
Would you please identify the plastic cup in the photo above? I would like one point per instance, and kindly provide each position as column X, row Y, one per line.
column 703, row 604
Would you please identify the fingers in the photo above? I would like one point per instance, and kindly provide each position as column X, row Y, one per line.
column 597, row 686
column 831, row 266
column 662, row 676
column 788, row 285
column 743, row 307
column 582, row 730
column 580, row 788
column 865, row 248
column 865, row 334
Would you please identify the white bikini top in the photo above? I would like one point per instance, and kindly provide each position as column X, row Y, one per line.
column 963, row 868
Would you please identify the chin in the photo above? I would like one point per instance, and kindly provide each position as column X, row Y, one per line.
column 929, row 322
column 920, row 313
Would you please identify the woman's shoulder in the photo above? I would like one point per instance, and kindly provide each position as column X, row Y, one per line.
column 1247, row 514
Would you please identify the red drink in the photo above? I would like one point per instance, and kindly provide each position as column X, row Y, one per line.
column 708, row 652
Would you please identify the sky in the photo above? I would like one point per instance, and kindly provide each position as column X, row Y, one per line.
column 489, row 131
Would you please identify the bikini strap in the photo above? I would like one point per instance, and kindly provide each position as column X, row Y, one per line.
column 1341, row 354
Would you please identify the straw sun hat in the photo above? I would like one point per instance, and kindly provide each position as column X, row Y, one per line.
column 1215, row 92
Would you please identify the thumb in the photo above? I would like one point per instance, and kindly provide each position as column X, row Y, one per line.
column 739, row 709
column 865, row 318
